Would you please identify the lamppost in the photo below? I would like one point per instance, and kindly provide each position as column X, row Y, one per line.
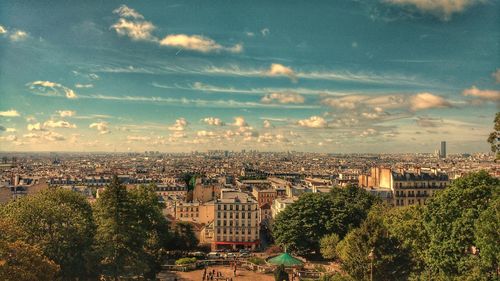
column 371, row 256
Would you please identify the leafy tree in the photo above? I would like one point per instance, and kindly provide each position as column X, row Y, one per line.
column 494, row 136
column 328, row 244
column 184, row 238
column 450, row 220
column 280, row 274
column 60, row 223
column 152, row 221
column 301, row 225
column 120, row 236
column 488, row 238
column 20, row 261
column 407, row 225
column 390, row 260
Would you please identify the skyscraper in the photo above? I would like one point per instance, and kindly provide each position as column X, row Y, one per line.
column 442, row 152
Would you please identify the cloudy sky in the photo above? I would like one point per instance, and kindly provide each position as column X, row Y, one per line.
column 325, row 76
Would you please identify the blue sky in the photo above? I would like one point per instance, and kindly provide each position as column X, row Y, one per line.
column 323, row 76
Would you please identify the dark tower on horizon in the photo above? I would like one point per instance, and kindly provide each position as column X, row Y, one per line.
column 442, row 152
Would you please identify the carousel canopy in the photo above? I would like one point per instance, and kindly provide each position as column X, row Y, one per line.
column 285, row 259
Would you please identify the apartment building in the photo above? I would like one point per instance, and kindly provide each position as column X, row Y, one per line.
column 236, row 222
column 408, row 187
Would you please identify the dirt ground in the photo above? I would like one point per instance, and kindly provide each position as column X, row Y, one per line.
column 197, row 275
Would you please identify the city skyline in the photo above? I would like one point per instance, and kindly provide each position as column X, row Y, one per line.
column 174, row 76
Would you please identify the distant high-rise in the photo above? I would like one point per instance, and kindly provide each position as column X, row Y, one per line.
column 442, row 152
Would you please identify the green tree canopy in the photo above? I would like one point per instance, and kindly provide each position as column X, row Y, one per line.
column 391, row 261
column 60, row 223
column 328, row 244
column 155, row 225
column 120, row 236
column 301, row 225
column 20, row 261
column 450, row 220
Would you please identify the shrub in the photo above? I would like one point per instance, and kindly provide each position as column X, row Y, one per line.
column 183, row 261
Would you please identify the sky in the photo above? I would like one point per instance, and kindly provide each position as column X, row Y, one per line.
column 347, row 76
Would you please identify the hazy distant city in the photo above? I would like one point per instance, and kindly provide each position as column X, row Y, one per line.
column 222, row 140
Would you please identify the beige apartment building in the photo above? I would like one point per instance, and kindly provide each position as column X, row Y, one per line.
column 409, row 187
column 236, row 222
column 199, row 213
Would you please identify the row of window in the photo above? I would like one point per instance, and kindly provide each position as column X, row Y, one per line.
column 230, row 223
column 236, row 231
column 236, row 207
column 420, row 184
column 411, row 193
column 236, row 215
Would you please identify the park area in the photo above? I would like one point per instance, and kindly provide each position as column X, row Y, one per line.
column 226, row 271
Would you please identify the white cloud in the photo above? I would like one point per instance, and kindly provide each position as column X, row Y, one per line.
column 313, row 122
column 443, row 9
column 288, row 97
column 138, row 138
column 483, row 95
column 66, row 113
column 10, row 130
column 133, row 25
column 58, row 124
column 49, row 88
column 267, row 124
column 18, row 35
column 496, row 75
column 53, row 136
column 265, row 31
column 179, row 125
column 84, row 85
column 31, row 136
column 2, row 30
column 277, row 69
column 204, row 133
column 9, row 113
column 423, row 101
column 35, row 127
column 197, row 43
column 420, row 101
column 213, row 121
column 135, row 30
column 10, row 138
column 126, row 12
column 102, row 127
column 240, row 122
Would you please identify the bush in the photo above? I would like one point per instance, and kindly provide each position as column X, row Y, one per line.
column 183, row 261
column 257, row 261
column 274, row 249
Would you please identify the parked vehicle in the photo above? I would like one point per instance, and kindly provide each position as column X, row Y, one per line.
column 214, row 255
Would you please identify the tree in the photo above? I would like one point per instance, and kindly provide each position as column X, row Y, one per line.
column 487, row 238
column 494, row 136
column 20, row 261
column 120, row 236
column 59, row 223
column 300, row 226
column 450, row 220
column 280, row 274
column 390, row 261
column 407, row 225
column 328, row 244
column 156, row 227
column 183, row 237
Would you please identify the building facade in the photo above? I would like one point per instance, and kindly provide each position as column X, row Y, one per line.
column 236, row 222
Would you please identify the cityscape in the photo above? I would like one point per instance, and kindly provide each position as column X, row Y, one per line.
column 218, row 140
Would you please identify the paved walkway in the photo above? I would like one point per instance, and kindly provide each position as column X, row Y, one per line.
column 196, row 275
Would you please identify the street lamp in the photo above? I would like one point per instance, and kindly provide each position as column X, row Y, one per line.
column 371, row 256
